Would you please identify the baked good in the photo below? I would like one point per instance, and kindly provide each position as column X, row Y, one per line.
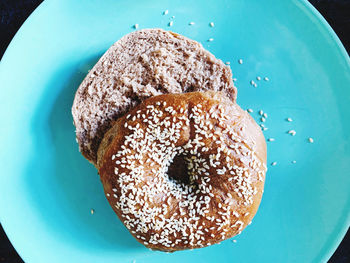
column 140, row 65
column 184, row 171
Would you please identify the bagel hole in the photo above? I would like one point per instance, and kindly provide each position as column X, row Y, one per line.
column 178, row 171
column 191, row 89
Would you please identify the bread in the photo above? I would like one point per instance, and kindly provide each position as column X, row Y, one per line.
column 142, row 64
column 167, row 205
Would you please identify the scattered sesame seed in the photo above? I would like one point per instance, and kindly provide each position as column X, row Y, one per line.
column 252, row 82
column 171, row 23
column 210, row 39
column 262, row 119
column 234, row 241
column 258, row 78
column 136, row 26
column 289, row 119
column 92, row 211
column 234, row 79
column 265, row 115
column 294, row 161
column 273, row 163
column 250, row 110
column 265, row 128
column 240, row 61
column 311, row 140
column 227, row 63
column 292, row 132
column 271, row 139
column 266, row 79
column 261, row 112
column 172, row 17
column 211, row 24
column 165, row 12
column 191, row 23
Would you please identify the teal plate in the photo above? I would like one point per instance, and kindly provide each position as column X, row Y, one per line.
column 48, row 189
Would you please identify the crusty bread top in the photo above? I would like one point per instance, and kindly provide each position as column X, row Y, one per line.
column 140, row 65
column 218, row 194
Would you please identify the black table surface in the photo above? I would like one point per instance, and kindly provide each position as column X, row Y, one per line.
column 14, row 12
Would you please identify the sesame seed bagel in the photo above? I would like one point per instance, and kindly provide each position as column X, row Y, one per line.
column 142, row 64
column 184, row 171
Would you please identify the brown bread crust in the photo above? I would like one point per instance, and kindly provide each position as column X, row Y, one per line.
column 225, row 155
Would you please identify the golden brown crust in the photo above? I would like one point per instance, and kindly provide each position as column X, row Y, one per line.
column 225, row 153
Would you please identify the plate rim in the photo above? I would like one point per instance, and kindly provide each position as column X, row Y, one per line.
column 342, row 232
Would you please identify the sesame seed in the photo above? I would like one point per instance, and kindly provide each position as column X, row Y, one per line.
column 211, row 24
column 294, row 161
column 271, row 139
column 240, row 61
column 266, row 79
column 210, row 39
column 191, row 23
column 171, row 23
column 289, row 119
column 261, row 112
column 234, row 79
column 273, row 163
column 136, row 26
column 262, row 119
column 311, row 140
column 250, row 110
column 234, row 241
column 265, row 115
column 292, row 132
column 258, row 78
column 252, row 82
column 227, row 63
column 92, row 211
column 165, row 12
